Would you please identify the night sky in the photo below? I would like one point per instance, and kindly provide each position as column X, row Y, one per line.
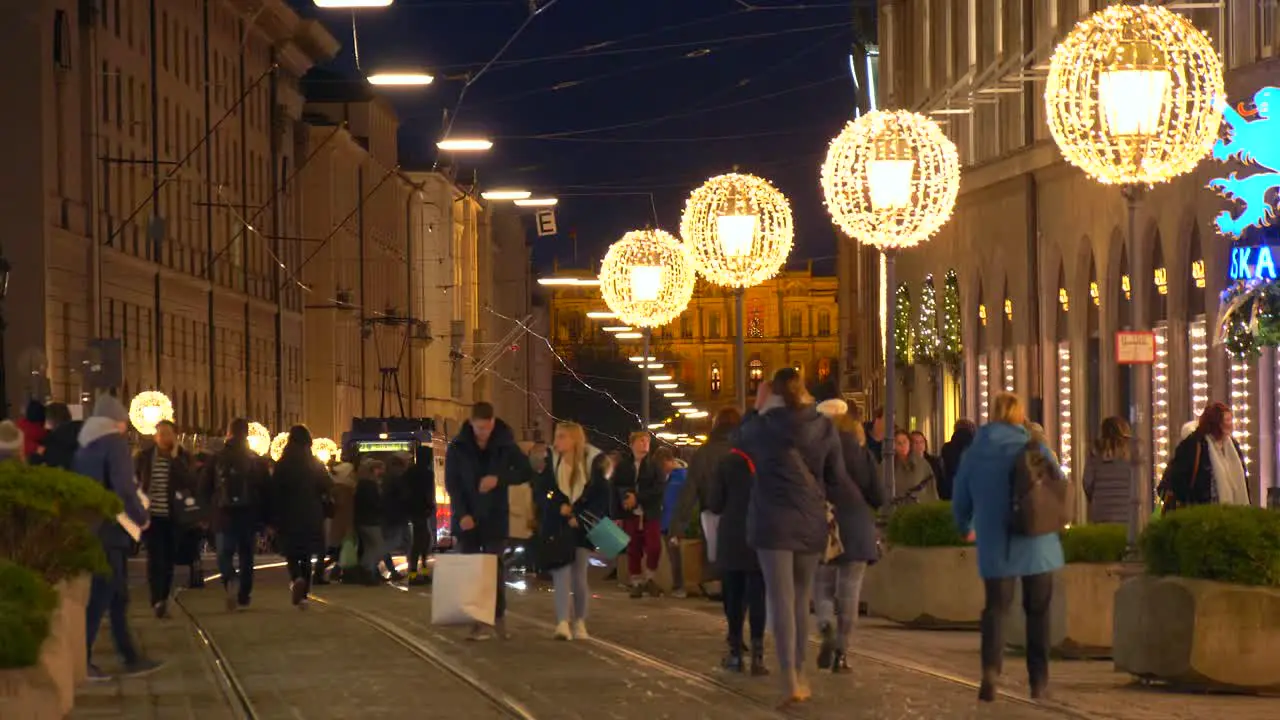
column 604, row 103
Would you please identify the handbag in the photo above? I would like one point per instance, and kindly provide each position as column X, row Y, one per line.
column 835, row 546
column 187, row 508
column 605, row 535
column 556, row 549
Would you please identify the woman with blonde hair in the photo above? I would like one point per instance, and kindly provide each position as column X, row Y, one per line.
column 981, row 503
column 1108, row 473
column 571, row 492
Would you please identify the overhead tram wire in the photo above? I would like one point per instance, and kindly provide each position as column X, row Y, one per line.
column 675, row 140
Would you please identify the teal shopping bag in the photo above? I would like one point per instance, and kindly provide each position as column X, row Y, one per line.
column 606, row 536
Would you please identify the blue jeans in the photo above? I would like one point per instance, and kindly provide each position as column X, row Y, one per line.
column 571, row 590
column 237, row 537
column 111, row 593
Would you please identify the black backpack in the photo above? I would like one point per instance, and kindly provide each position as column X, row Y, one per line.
column 233, row 482
column 1040, row 495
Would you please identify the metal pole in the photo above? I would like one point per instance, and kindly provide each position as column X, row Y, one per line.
column 1266, row 426
column 1140, row 378
column 890, row 369
column 644, row 382
column 740, row 352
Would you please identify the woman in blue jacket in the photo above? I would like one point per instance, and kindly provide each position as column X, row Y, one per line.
column 572, row 490
column 799, row 465
column 981, row 502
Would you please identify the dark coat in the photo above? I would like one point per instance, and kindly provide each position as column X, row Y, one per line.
column 594, row 501
column 258, row 472
column 729, row 496
column 939, row 474
column 788, row 509
column 104, row 456
column 395, row 499
column 180, row 475
column 1190, row 484
column 696, row 494
column 420, row 480
column 465, row 465
column 368, row 503
column 60, row 446
column 647, row 484
column 1107, row 486
column 857, row 519
column 299, row 487
column 952, row 451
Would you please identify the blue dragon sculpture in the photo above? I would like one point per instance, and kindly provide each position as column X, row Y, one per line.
column 1254, row 140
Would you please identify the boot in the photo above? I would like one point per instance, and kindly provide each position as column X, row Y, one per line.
column 840, row 663
column 987, row 691
column 757, row 659
column 732, row 661
column 827, row 652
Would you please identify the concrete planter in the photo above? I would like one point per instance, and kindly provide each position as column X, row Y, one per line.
column 926, row 587
column 1199, row 634
column 48, row 689
column 1081, row 615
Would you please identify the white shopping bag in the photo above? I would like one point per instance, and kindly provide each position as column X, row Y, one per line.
column 464, row 589
column 710, row 528
column 128, row 524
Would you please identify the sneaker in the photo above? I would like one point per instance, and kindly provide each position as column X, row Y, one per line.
column 680, row 594
column 95, row 674
column 826, row 653
column 161, row 609
column 637, row 591
column 297, row 591
column 141, row 667
column 651, row 588
column 500, row 629
column 480, row 633
column 580, row 630
column 420, row 580
column 562, row 631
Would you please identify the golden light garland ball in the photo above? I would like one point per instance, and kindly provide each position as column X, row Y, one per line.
column 259, row 438
column 325, row 450
column 1132, row 95
column 147, row 409
column 277, row 445
column 647, row 278
column 929, row 179
column 708, row 221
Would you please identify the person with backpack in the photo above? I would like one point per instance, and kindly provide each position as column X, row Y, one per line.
column 234, row 482
column 1010, row 491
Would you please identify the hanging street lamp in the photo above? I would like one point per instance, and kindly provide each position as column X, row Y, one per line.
column 890, row 180
column 739, row 232
column 1133, row 99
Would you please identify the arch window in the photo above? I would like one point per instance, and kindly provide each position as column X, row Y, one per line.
column 61, row 40
column 715, row 378
column 755, row 375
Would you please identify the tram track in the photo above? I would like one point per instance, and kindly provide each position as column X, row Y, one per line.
column 233, row 691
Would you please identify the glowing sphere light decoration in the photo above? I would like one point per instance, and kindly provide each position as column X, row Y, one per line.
column 1132, row 95
column 259, row 438
column 647, row 278
column 277, row 445
column 891, row 178
column 325, row 450
column 738, row 229
column 148, row 409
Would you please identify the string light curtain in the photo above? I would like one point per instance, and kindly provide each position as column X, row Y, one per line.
column 903, row 331
column 148, row 409
column 952, row 342
column 1131, row 95
column 927, row 344
column 647, row 278
column 891, row 179
column 738, row 229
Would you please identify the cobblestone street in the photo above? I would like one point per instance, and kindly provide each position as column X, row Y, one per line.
column 372, row 652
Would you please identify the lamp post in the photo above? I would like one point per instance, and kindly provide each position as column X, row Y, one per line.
column 739, row 231
column 646, row 279
column 4, row 327
column 890, row 180
column 1131, row 100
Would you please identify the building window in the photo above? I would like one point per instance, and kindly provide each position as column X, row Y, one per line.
column 686, row 327
column 715, row 378
column 713, row 325
column 755, row 375
column 755, row 321
column 824, row 323
column 795, row 324
column 61, row 41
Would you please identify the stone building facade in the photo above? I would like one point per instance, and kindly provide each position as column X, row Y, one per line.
column 1039, row 247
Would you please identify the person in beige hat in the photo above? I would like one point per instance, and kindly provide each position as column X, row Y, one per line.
column 11, row 441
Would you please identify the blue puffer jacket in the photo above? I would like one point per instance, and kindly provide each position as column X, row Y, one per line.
column 104, row 456
column 671, row 493
column 788, row 510
column 981, row 501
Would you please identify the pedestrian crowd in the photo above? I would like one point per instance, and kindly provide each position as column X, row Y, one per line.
column 782, row 507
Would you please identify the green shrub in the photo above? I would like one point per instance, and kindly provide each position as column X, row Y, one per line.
column 924, row 525
column 1102, row 543
column 48, row 519
column 27, row 603
column 1231, row 544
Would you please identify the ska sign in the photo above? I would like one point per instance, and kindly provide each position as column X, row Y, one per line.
column 1254, row 139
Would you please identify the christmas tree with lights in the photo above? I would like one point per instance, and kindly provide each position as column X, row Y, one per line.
column 902, row 325
column 951, row 346
column 926, row 341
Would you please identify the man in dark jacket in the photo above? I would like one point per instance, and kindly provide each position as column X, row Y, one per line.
column 162, row 472
column 483, row 460
column 420, row 480
column 234, row 487
column 61, row 443
column 104, row 457
column 961, row 438
column 639, row 482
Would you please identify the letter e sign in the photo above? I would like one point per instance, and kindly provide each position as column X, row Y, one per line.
column 546, row 220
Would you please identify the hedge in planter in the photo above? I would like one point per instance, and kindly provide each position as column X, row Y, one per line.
column 928, row 576
column 1207, row 614
column 27, row 603
column 1081, row 614
column 48, row 517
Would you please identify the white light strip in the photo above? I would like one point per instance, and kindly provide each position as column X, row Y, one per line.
column 1199, row 336
column 1008, row 371
column 1160, row 402
column 984, row 389
column 1064, row 407
column 1240, row 407
column 604, row 315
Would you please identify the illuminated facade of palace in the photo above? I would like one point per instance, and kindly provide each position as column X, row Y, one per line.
column 790, row 320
